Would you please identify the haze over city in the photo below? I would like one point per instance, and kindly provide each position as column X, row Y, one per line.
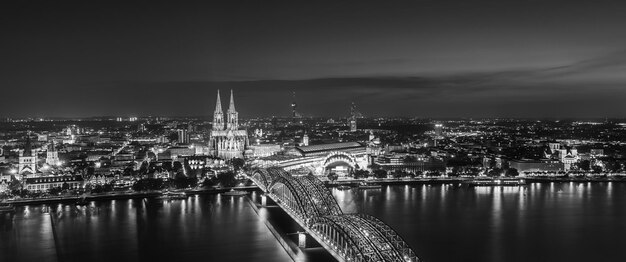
column 419, row 58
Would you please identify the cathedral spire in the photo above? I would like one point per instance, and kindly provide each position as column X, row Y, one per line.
column 233, row 117
column 218, row 104
column 231, row 108
column 218, row 116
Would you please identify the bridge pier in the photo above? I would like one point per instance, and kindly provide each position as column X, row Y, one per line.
column 264, row 200
column 303, row 242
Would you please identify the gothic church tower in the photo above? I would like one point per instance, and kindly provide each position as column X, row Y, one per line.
column 233, row 116
column 218, row 115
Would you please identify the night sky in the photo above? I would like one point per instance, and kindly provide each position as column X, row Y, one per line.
column 412, row 58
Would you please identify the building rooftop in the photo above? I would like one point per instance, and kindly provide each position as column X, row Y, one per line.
column 329, row 147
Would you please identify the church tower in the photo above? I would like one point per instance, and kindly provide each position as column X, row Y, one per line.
column 218, row 115
column 233, row 116
column 27, row 162
column 52, row 156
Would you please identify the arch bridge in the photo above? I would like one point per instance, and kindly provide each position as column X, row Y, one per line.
column 348, row 237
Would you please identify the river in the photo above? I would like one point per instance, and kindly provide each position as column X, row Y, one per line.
column 540, row 222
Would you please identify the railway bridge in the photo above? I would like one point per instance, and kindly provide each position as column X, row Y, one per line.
column 347, row 237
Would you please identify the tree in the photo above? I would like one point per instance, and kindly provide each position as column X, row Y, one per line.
column 585, row 165
column 210, row 182
column 332, row 176
column 15, row 185
column 227, row 179
column 177, row 166
column 184, row 182
column 98, row 189
column 55, row 190
column 238, row 163
column 495, row 172
column 473, row 171
column 145, row 184
column 398, row 174
column 612, row 166
column 361, row 174
column 511, row 172
column 379, row 173
column 596, row 169
column 167, row 166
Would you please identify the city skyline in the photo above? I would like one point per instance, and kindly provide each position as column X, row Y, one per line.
column 425, row 59
column 277, row 131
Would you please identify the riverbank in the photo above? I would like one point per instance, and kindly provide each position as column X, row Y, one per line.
column 115, row 195
column 347, row 182
column 394, row 181
column 576, row 179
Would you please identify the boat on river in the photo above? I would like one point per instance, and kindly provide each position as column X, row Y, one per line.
column 344, row 187
column 172, row 196
column 369, row 185
column 234, row 192
column 497, row 181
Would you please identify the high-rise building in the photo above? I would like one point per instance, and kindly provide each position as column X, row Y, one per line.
column 183, row 136
column 227, row 142
column 352, row 119
column 294, row 107
column 305, row 140
column 438, row 130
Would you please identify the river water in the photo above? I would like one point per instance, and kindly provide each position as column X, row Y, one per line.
column 539, row 222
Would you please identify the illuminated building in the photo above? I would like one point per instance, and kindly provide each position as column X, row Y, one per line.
column 230, row 141
column 52, row 156
column 183, row 136
column 536, row 165
column 305, row 140
column 294, row 106
column 46, row 183
column 27, row 161
column 438, row 130
column 353, row 117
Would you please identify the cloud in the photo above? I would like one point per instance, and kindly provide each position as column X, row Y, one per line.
column 529, row 92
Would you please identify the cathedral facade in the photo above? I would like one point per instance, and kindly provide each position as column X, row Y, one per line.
column 226, row 140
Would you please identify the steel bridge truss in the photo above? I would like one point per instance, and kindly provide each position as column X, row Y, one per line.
column 351, row 237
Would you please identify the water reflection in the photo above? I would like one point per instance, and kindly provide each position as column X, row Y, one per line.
column 199, row 228
column 560, row 221
column 516, row 223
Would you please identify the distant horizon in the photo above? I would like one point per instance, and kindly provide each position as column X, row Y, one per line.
column 207, row 117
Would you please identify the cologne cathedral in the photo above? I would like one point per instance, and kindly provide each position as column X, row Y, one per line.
column 226, row 140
